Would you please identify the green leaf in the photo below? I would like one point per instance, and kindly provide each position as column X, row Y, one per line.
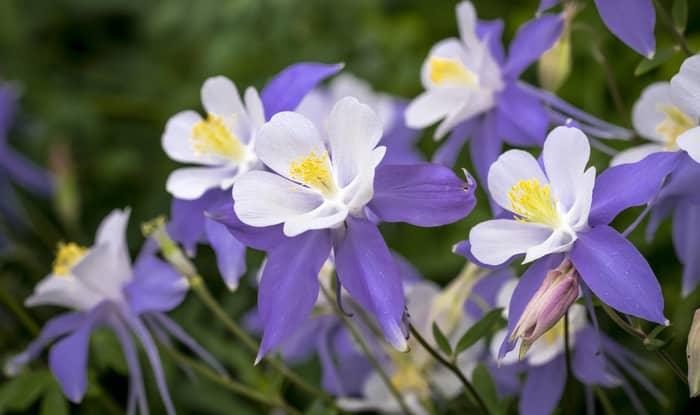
column 662, row 55
column 486, row 388
column 107, row 352
column 490, row 322
column 53, row 402
column 22, row 391
column 441, row 340
column 679, row 11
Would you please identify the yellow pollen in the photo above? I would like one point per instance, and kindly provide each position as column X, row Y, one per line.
column 67, row 255
column 555, row 333
column 675, row 124
column 213, row 136
column 451, row 71
column 532, row 202
column 313, row 171
column 408, row 378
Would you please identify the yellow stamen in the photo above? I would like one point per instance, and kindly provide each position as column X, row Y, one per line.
column 67, row 255
column 675, row 124
column 407, row 378
column 213, row 136
column 533, row 203
column 555, row 333
column 314, row 172
column 451, row 71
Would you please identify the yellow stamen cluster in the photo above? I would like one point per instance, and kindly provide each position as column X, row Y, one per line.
column 213, row 136
column 314, row 172
column 675, row 124
column 532, row 202
column 451, row 71
column 67, row 255
column 407, row 378
column 555, row 333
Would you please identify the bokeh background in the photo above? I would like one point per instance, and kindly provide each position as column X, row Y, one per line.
column 99, row 79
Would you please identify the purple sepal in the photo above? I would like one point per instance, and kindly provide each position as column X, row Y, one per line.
column 24, row 172
column 547, row 4
column 543, row 387
column 421, row 194
column 486, row 146
column 618, row 274
column 487, row 290
column 491, row 31
column 285, row 91
column 449, row 151
column 260, row 238
column 400, row 141
column 686, row 239
column 532, row 40
column 230, row 253
column 632, row 21
column 522, row 120
column 156, row 286
column 589, row 364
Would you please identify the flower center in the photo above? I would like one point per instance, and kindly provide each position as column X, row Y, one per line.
column 675, row 124
column 314, row 172
column 213, row 136
column 555, row 333
column 451, row 71
column 532, row 202
column 66, row 256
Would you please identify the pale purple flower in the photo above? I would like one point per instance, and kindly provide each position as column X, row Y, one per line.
column 632, row 21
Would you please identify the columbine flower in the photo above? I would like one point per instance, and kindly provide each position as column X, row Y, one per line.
column 99, row 284
column 318, row 195
column 595, row 361
column 398, row 139
column 667, row 114
column 223, row 141
column 632, row 21
column 564, row 209
column 190, row 138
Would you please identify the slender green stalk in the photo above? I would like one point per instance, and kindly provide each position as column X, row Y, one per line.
column 567, row 355
column 671, row 27
column 109, row 404
column 608, row 407
column 639, row 333
column 365, row 349
column 452, row 368
column 236, row 387
column 19, row 312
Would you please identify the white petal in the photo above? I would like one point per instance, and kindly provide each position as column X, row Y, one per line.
column 690, row 142
column 191, row 183
column 646, row 113
column 315, row 106
column 504, row 295
column 63, row 291
column 286, row 138
column 466, row 22
column 328, row 215
column 685, row 87
column 434, row 105
column 565, row 155
column 494, row 241
column 353, row 132
column 112, row 229
column 265, row 199
column 176, row 139
column 112, row 234
column 347, row 85
column 447, row 49
column 361, row 190
column 220, row 97
column 476, row 102
column 635, row 154
column 511, row 167
column 254, row 105
column 557, row 242
column 104, row 270
column 577, row 216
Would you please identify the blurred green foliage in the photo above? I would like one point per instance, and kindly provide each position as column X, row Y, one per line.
column 101, row 78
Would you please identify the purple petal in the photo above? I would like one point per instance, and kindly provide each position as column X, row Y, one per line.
column 632, row 21
column 491, row 32
column 289, row 286
column 400, row 141
column 522, row 120
column 529, row 282
column 230, row 253
column 659, row 212
column 186, row 224
column 68, row 357
column 421, row 194
column 618, row 274
column 25, row 173
column 367, row 270
column 449, row 151
column 543, row 387
column 486, row 146
column 260, row 238
column 286, row 90
column 686, row 239
column 531, row 41
column 588, row 363
column 156, row 286
column 137, row 393
column 683, row 181
column 301, row 344
column 627, row 185
column 487, row 290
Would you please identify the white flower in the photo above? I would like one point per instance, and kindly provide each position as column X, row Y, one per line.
column 222, row 142
column 83, row 277
column 547, row 347
column 313, row 186
column 667, row 114
column 460, row 78
column 550, row 207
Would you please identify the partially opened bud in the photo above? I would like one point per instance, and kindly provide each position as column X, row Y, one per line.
column 693, row 353
column 548, row 305
column 554, row 66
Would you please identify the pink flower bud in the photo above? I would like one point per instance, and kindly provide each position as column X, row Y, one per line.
column 548, row 305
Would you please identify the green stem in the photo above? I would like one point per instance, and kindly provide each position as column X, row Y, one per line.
column 567, row 354
column 109, row 404
column 19, row 312
column 452, row 368
column 671, row 27
column 365, row 349
column 608, row 408
column 639, row 333
column 236, row 387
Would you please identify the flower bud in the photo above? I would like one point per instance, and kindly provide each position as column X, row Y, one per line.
column 554, row 65
column 548, row 305
column 693, row 354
